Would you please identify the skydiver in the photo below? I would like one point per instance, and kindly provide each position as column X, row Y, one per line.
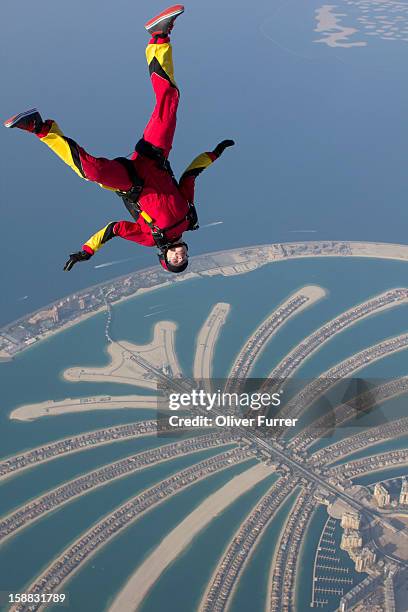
column 162, row 207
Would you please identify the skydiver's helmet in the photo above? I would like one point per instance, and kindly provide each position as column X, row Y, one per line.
column 166, row 264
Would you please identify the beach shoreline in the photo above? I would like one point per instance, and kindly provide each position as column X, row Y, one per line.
column 272, row 253
column 142, row 580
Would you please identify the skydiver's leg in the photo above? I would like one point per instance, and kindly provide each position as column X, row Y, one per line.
column 160, row 130
column 107, row 172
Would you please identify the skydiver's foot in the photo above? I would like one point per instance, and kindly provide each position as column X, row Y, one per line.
column 162, row 24
column 29, row 120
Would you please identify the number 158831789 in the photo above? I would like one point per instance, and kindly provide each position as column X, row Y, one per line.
column 14, row 598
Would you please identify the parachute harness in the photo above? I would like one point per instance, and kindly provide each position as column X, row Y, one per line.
column 131, row 197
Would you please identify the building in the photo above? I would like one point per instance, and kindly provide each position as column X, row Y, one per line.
column 351, row 520
column 403, row 498
column 381, row 495
column 351, row 539
column 359, row 592
column 364, row 559
column 389, row 594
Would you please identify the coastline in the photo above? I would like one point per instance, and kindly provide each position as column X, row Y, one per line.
column 53, row 332
column 300, row 557
column 30, row 412
column 238, row 261
column 94, row 487
column 142, row 580
column 400, row 466
column 298, row 491
column 247, row 559
column 76, row 540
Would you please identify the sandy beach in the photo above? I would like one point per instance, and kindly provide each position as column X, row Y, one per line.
column 180, row 537
column 314, row 293
column 69, row 485
column 124, row 367
column 67, row 451
column 30, row 412
column 210, row 582
column 236, row 460
column 207, row 339
column 242, row 265
column 308, row 341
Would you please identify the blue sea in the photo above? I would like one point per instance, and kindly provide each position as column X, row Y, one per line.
column 35, row 375
column 319, row 129
column 315, row 97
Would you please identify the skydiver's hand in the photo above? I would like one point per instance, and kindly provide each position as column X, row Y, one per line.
column 74, row 258
column 220, row 148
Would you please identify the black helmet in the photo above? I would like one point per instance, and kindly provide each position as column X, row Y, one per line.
column 168, row 266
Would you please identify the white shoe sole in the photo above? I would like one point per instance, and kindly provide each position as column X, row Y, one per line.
column 151, row 25
column 16, row 118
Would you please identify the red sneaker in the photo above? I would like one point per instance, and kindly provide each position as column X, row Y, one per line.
column 162, row 24
column 29, row 120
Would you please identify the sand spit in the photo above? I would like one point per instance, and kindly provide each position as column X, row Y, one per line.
column 30, row 412
column 180, row 537
column 124, row 367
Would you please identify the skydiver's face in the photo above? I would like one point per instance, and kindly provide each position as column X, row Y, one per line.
column 177, row 255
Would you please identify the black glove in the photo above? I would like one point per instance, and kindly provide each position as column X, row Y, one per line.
column 219, row 149
column 74, row 258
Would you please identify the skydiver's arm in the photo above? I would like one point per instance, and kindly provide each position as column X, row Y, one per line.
column 133, row 231
column 96, row 241
column 91, row 246
column 200, row 163
column 123, row 229
column 129, row 230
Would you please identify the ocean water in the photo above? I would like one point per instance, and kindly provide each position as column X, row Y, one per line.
column 318, row 114
column 36, row 375
column 212, row 543
column 44, row 539
column 252, row 588
column 320, row 143
column 108, row 570
column 304, row 586
column 382, row 414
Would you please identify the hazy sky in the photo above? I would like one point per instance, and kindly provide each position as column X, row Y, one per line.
column 321, row 133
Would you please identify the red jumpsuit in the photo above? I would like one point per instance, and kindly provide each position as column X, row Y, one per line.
column 162, row 198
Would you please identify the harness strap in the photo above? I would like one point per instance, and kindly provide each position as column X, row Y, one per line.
column 131, row 170
column 131, row 197
column 146, row 149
